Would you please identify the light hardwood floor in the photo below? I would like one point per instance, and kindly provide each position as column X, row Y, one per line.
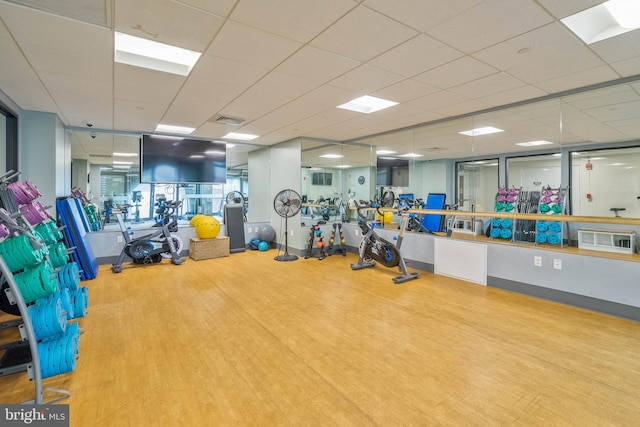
column 246, row 340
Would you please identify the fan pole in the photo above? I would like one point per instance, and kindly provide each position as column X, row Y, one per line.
column 286, row 256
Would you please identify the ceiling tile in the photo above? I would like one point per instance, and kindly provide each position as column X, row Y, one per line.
column 274, row 90
column 618, row 48
column 363, row 34
column 542, row 54
column 316, row 64
column 219, row 7
column 580, row 79
column 490, row 22
column 405, row 90
column 241, row 43
column 438, row 100
column 168, row 22
column 513, row 95
column 51, row 60
column 562, row 9
column 366, row 79
column 416, row 55
column 455, row 73
column 136, row 115
column 144, row 85
column 628, row 67
column 421, row 14
column 220, row 70
column 36, row 28
column 297, row 20
column 486, row 86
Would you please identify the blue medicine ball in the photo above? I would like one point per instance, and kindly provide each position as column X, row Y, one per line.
column 254, row 243
column 263, row 246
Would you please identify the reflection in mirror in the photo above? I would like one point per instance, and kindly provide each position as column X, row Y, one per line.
column 605, row 182
column 111, row 162
column 334, row 176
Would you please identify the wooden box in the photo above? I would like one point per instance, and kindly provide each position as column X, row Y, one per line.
column 208, row 248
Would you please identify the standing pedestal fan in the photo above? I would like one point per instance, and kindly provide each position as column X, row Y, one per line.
column 287, row 203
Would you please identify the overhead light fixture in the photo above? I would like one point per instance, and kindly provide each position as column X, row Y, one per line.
column 332, row 156
column 533, row 143
column 343, row 166
column 196, row 156
column 230, row 145
column 492, row 164
column 606, row 20
column 116, row 162
column 481, row 131
column 367, row 104
column 413, row 155
column 479, row 162
column 215, row 152
column 384, row 152
column 598, row 158
column 139, row 52
column 174, row 129
column 240, row 136
column 125, row 154
column 618, row 164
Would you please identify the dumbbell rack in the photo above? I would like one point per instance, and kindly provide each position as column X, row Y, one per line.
column 25, row 354
column 506, row 200
column 16, row 359
column 557, row 205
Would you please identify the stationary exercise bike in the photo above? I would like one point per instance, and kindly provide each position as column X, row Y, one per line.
column 152, row 248
column 374, row 248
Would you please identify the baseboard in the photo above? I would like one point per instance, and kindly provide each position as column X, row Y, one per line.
column 575, row 300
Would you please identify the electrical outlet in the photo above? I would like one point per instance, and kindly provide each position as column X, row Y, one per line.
column 557, row 264
column 248, row 229
column 119, row 239
column 537, row 261
column 356, row 232
column 291, row 232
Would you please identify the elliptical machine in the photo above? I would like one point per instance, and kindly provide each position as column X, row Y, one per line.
column 152, row 248
column 374, row 248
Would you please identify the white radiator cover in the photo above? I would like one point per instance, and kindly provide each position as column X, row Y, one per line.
column 461, row 259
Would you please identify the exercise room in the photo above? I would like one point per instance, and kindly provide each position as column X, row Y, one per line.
column 310, row 213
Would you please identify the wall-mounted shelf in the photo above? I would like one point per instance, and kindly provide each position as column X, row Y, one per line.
column 619, row 241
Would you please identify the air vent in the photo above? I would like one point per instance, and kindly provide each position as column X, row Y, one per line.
column 227, row 120
column 90, row 11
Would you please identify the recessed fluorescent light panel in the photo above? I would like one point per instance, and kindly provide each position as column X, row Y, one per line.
column 240, row 136
column 331, row 156
column 384, row 152
column 343, row 166
column 533, row 143
column 174, row 129
column 125, row 154
column 139, row 52
column 412, row 155
column 608, row 19
column 367, row 104
column 116, row 162
column 481, row 131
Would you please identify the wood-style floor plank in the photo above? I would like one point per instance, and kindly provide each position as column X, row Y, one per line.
column 246, row 340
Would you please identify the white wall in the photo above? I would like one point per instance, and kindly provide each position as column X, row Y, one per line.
column 285, row 174
column 260, row 197
column 45, row 155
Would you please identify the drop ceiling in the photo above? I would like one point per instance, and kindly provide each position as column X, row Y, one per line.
column 283, row 66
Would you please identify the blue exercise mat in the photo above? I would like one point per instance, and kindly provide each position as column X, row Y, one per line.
column 433, row 222
column 76, row 225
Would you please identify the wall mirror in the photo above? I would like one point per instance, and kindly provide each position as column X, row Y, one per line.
column 334, row 178
column 106, row 168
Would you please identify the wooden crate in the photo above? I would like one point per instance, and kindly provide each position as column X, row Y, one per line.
column 208, row 248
